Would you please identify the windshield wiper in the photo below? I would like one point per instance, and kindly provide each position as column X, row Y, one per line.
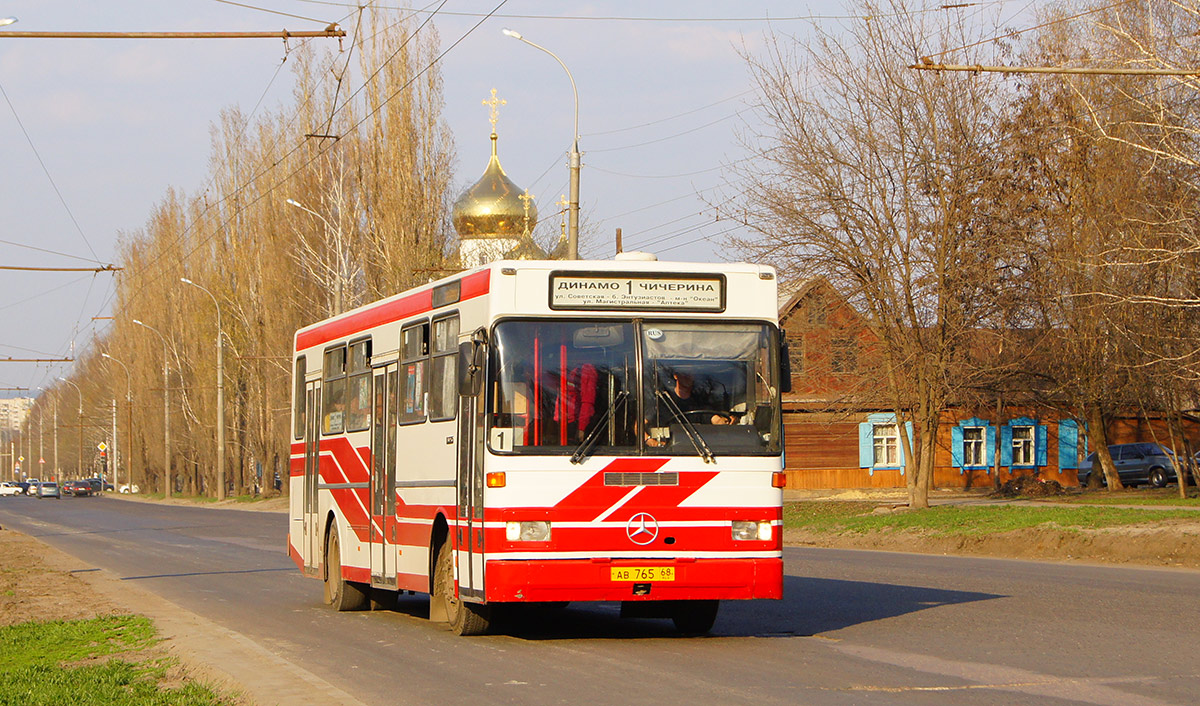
column 581, row 451
column 693, row 434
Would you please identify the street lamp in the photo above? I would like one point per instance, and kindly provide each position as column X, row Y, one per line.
column 573, row 217
column 4, row 21
column 128, row 424
column 56, row 469
column 166, row 410
column 79, row 461
column 41, row 428
column 343, row 264
column 220, row 394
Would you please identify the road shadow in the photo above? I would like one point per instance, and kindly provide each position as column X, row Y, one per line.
column 810, row 606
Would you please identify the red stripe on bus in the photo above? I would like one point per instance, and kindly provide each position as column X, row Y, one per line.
column 473, row 285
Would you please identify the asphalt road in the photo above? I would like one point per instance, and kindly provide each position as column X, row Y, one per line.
column 855, row 627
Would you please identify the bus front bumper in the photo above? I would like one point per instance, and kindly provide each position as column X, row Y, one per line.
column 519, row 581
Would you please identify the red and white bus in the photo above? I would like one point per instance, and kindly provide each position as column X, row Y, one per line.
column 546, row 432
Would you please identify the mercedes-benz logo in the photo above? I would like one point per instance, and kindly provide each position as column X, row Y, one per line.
column 642, row 528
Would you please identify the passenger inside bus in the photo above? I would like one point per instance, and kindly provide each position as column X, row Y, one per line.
column 681, row 396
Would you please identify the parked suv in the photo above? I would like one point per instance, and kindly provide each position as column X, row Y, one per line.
column 1136, row 463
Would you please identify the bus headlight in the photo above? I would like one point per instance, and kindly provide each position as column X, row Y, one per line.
column 744, row 530
column 536, row 531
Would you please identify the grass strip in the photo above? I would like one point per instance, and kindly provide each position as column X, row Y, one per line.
column 78, row 662
column 1170, row 498
column 958, row 520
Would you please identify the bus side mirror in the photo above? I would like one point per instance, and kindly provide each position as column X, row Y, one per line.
column 785, row 367
column 470, row 368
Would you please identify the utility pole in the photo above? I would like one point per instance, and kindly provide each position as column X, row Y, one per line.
column 168, row 485
column 56, row 471
column 41, row 455
column 115, row 453
column 79, row 460
column 220, row 392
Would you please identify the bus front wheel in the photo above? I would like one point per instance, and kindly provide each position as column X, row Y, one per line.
column 695, row 617
column 464, row 618
column 340, row 593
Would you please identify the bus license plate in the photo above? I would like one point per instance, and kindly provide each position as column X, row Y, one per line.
column 643, row 573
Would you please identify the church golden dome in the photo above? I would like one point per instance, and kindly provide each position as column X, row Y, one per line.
column 492, row 206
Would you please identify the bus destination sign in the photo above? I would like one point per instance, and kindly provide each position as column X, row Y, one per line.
column 659, row 292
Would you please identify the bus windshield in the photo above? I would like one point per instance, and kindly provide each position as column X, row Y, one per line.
column 700, row 388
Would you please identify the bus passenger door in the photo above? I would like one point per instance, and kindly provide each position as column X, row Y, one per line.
column 383, row 466
column 312, row 476
column 469, row 534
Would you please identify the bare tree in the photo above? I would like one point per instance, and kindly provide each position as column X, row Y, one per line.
column 872, row 176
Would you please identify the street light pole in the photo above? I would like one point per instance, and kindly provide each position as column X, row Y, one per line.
column 56, row 472
column 220, row 394
column 79, row 461
column 575, row 158
column 129, row 420
column 342, row 264
column 166, row 411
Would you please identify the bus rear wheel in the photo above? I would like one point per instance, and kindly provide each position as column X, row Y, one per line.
column 340, row 593
column 464, row 618
column 695, row 617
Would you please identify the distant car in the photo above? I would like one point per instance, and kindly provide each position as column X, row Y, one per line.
column 97, row 485
column 49, row 489
column 77, row 488
column 126, row 489
column 1143, row 462
column 31, row 488
column 11, row 488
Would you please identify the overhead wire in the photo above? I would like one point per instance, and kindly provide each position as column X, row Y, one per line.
column 50, row 252
column 319, row 153
column 273, row 12
column 632, row 18
column 46, row 171
column 209, row 206
column 187, row 231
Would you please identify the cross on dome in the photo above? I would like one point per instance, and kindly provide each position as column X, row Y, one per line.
column 494, row 109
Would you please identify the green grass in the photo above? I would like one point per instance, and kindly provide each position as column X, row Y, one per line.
column 956, row 520
column 79, row 662
column 1154, row 497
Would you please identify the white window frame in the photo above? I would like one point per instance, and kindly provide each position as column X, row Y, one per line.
column 974, row 450
column 1023, row 445
column 886, row 445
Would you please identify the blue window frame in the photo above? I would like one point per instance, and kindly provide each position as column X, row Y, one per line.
column 973, row 444
column 1023, row 444
column 879, row 446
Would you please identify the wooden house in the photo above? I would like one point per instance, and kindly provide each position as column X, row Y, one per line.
column 840, row 429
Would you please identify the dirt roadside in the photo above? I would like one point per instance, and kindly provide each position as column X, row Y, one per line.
column 38, row 582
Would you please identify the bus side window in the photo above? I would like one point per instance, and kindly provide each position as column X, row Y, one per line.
column 414, row 342
column 443, row 384
column 358, row 415
column 298, row 398
column 392, row 398
column 333, row 403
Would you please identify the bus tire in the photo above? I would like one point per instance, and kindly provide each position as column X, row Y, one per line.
column 695, row 617
column 340, row 593
column 464, row 618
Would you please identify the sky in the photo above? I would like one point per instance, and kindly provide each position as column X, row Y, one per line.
column 93, row 133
